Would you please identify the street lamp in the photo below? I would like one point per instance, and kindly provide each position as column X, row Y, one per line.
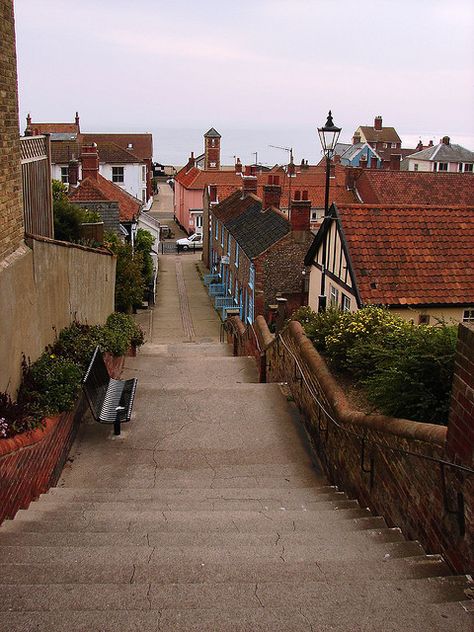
column 328, row 135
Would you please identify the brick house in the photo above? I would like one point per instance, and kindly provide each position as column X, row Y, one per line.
column 417, row 260
column 115, row 206
column 125, row 159
column 257, row 252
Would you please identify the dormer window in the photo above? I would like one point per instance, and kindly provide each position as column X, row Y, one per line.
column 130, row 146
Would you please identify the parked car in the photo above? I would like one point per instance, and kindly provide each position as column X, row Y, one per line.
column 194, row 242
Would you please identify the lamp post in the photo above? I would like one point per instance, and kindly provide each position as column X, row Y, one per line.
column 329, row 135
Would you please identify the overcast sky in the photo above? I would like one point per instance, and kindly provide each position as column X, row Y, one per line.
column 149, row 64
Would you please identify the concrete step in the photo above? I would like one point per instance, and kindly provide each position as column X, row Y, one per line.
column 404, row 593
column 183, row 539
column 276, row 552
column 256, row 570
column 199, row 370
column 331, row 618
column 75, row 495
column 212, row 502
column 185, row 350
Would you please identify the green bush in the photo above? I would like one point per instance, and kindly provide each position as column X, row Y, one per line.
column 129, row 281
column 77, row 343
column 405, row 370
column 144, row 241
column 124, row 323
column 15, row 417
column 50, row 385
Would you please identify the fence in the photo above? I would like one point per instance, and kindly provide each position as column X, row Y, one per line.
column 36, row 181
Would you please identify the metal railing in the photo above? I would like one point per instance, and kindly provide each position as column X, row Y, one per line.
column 443, row 464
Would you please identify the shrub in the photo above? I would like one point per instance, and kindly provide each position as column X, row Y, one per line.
column 15, row 418
column 129, row 282
column 122, row 331
column 405, row 370
column 50, row 385
column 318, row 325
column 415, row 379
column 77, row 343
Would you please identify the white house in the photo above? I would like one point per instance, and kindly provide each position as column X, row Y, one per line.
column 444, row 157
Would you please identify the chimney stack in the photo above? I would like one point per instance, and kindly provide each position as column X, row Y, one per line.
column 419, row 147
column 90, row 161
column 378, row 123
column 272, row 192
column 73, row 173
column 300, row 212
column 445, row 140
column 249, row 184
column 430, row 144
column 238, row 166
column 395, row 162
column 356, row 139
column 191, row 162
column 77, row 122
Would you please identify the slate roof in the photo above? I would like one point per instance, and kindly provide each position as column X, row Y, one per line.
column 411, row 255
column 92, row 190
column 415, row 187
column 254, row 229
column 142, row 144
column 63, row 151
column 212, row 133
column 445, row 153
column 385, row 135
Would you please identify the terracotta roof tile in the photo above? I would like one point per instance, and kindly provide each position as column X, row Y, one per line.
column 142, row 144
column 415, row 187
column 54, row 128
column 63, row 151
column 91, row 190
column 407, row 255
column 312, row 179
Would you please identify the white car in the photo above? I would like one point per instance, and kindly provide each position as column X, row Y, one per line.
column 193, row 242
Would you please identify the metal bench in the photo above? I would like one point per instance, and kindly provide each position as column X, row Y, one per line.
column 110, row 400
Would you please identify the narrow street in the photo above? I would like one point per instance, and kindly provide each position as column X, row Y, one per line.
column 207, row 513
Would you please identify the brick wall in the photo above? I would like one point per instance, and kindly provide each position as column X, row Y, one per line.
column 461, row 416
column 366, row 455
column 32, row 462
column 11, row 208
column 281, row 271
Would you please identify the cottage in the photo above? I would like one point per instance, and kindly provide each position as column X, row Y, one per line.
column 417, row 260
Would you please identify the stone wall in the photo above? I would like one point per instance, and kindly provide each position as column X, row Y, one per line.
column 11, row 209
column 390, row 465
column 43, row 288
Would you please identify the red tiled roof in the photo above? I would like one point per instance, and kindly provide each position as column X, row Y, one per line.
column 415, row 187
column 54, row 128
column 142, row 144
column 91, row 190
column 411, row 255
column 313, row 180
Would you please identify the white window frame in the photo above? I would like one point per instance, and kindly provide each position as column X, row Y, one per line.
column 143, row 173
column 345, row 302
column 237, row 254
column 64, row 175
column 468, row 316
column 437, row 167
column 119, row 176
column 333, row 295
column 216, row 231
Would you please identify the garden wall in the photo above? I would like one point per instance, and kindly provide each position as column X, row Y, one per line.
column 30, row 463
column 43, row 288
column 367, row 455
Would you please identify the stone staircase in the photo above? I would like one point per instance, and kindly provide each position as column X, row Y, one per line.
column 208, row 514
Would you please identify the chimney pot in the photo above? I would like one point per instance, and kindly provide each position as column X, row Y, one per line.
column 238, row 166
